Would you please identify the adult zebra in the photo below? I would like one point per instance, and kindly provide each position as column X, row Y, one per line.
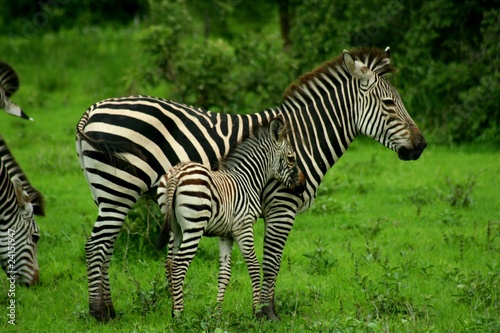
column 225, row 203
column 19, row 200
column 125, row 145
column 19, row 232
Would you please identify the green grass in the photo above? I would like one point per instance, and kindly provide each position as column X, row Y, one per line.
column 388, row 246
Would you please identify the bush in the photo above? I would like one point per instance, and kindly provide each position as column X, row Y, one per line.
column 245, row 74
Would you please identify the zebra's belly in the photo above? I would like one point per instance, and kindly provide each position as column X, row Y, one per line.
column 229, row 224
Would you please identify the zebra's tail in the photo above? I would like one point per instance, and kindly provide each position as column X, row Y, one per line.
column 166, row 192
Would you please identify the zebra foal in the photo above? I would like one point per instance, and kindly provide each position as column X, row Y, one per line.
column 226, row 203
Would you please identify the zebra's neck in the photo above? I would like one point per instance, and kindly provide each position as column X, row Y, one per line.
column 7, row 197
column 249, row 161
column 322, row 120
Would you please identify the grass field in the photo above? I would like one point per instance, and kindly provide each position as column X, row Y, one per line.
column 388, row 246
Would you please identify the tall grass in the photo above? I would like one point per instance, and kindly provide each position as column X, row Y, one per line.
column 388, row 246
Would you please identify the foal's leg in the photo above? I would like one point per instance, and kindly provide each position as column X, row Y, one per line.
column 246, row 244
column 225, row 251
column 175, row 238
column 191, row 235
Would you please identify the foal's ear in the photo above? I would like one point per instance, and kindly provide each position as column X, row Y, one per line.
column 277, row 129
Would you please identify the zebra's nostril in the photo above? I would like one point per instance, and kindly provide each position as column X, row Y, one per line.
column 422, row 145
column 300, row 185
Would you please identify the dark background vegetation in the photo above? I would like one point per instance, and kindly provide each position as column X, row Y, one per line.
column 239, row 56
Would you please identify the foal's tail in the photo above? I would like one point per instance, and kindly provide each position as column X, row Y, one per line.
column 166, row 192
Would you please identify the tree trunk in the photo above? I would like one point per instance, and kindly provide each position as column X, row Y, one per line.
column 283, row 6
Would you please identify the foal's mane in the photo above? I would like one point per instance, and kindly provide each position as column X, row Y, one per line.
column 237, row 151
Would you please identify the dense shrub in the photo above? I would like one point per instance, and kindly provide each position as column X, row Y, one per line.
column 238, row 75
column 27, row 17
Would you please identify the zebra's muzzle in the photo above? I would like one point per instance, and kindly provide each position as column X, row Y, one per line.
column 300, row 184
column 411, row 154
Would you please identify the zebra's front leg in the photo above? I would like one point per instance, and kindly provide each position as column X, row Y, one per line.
column 276, row 234
column 225, row 251
column 246, row 244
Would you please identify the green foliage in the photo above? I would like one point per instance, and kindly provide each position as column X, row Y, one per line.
column 479, row 290
column 320, row 259
column 140, row 230
column 203, row 75
column 460, row 195
column 245, row 74
column 151, row 298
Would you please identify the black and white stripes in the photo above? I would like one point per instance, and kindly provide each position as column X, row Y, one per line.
column 19, row 233
column 9, row 84
column 126, row 144
column 19, row 201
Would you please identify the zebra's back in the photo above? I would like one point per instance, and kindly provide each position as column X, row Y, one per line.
column 154, row 134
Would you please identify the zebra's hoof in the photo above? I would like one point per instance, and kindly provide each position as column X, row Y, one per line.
column 102, row 313
column 266, row 311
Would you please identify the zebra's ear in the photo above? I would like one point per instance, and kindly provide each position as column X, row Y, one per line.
column 357, row 69
column 386, row 61
column 388, row 52
column 277, row 129
column 21, row 196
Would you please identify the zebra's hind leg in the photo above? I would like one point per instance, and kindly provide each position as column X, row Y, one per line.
column 100, row 302
column 225, row 251
column 182, row 256
column 99, row 249
column 276, row 234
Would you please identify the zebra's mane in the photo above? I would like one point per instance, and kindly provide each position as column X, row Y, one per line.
column 374, row 58
column 11, row 165
column 9, row 81
column 239, row 152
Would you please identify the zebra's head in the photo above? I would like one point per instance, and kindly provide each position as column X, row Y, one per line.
column 382, row 115
column 283, row 158
column 9, row 84
column 20, row 237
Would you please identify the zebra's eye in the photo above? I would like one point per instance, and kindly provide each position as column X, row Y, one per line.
column 388, row 102
column 290, row 158
column 35, row 238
